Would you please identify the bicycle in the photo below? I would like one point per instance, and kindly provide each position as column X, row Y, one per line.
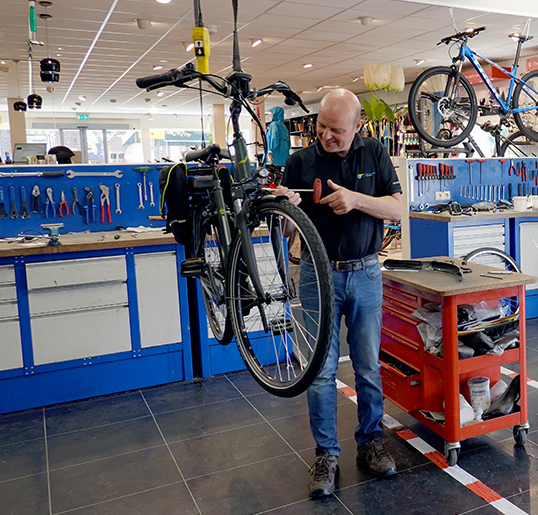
column 280, row 313
column 442, row 103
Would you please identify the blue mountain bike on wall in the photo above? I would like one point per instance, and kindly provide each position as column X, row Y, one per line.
column 442, row 103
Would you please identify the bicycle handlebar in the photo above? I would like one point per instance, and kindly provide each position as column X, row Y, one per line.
column 179, row 77
column 459, row 36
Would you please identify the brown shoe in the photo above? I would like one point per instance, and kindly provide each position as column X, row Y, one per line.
column 375, row 455
column 322, row 475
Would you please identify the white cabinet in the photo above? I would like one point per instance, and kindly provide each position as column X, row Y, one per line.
column 10, row 334
column 78, row 308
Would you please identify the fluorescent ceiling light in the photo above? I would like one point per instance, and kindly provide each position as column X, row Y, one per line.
column 164, row 1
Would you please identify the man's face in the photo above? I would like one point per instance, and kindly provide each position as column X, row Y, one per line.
column 336, row 130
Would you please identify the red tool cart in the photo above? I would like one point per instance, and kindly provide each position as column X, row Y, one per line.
column 437, row 383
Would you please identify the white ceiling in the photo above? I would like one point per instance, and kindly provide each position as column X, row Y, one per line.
column 103, row 50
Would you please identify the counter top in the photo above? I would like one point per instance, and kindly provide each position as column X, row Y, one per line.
column 77, row 242
column 445, row 285
column 445, row 217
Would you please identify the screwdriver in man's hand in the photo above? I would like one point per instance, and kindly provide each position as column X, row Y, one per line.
column 316, row 190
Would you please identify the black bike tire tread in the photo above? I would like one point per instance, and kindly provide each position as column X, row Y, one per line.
column 319, row 356
column 533, row 135
column 414, row 116
column 227, row 334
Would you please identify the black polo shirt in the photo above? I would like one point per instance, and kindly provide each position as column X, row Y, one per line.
column 366, row 169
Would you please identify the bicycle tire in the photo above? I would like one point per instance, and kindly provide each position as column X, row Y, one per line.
column 434, row 119
column 527, row 121
column 283, row 341
column 517, row 145
column 212, row 281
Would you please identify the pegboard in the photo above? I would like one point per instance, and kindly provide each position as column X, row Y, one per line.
column 469, row 181
column 13, row 178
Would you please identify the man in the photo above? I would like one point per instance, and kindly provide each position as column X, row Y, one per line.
column 360, row 190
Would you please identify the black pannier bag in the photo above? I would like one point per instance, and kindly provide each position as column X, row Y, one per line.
column 175, row 203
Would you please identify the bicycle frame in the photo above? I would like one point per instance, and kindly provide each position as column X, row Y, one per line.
column 506, row 107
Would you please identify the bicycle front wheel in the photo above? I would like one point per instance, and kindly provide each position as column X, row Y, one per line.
column 517, row 145
column 524, row 97
column 283, row 337
column 442, row 111
column 212, row 281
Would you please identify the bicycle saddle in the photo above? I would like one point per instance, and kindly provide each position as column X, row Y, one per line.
column 520, row 37
column 207, row 154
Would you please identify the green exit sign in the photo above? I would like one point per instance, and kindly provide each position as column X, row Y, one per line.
column 83, row 116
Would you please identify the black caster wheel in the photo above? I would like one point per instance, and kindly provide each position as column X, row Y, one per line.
column 520, row 435
column 452, row 457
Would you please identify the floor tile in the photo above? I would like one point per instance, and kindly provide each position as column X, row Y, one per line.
column 426, row 489
column 228, row 449
column 102, row 442
column 27, row 495
column 209, row 418
column 330, row 505
column 194, row 393
column 22, row 459
column 98, row 411
column 90, row 483
column 166, row 500
column 244, row 381
column 253, row 488
column 506, row 468
column 21, row 426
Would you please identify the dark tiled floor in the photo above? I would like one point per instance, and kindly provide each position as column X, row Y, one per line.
column 223, row 446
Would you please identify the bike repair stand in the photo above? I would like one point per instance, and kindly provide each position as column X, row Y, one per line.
column 53, row 233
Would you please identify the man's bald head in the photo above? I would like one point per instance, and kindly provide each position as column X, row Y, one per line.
column 342, row 103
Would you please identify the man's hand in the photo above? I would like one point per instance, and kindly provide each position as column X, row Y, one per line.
column 293, row 196
column 342, row 201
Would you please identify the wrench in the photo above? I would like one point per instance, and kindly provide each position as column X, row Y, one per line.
column 151, row 201
column 24, row 207
column 117, row 173
column 13, row 213
column 140, row 199
column 118, row 208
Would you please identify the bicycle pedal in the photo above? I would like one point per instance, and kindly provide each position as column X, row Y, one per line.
column 192, row 267
column 281, row 325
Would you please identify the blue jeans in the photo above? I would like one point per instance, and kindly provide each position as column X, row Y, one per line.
column 358, row 297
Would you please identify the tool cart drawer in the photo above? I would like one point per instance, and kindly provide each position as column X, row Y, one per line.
column 10, row 335
column 76, row 271
column 401, row 384
column 400, row 347
column 399, row 323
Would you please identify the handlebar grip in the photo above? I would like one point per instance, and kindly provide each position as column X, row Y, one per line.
column 152, row 80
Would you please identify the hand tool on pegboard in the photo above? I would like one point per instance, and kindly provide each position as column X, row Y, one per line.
column 49, row 202
column 105, row 199
column 144, row 170
column 36, row 199
column 63, row 204
column 118, row 207
column 90, row 205
column 76, row 203
column 470, row 161
column 502, row 161
column 3, row 212
column 24, row 204
column 13, row 213
column 481, row 161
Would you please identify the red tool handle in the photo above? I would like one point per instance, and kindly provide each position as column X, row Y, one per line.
column 108, row 212
column 316, row 192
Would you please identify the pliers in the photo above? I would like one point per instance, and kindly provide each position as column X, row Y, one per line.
column 50, row 202
column 523, row 172
column 105, row 198
column 512, row 167
column 36, row 199
column 76, row 203
column 63, row 203
column 89, row 202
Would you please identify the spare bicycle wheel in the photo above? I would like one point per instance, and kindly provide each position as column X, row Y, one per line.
column 283, row 337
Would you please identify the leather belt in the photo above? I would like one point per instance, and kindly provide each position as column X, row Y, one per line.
column 355, row 264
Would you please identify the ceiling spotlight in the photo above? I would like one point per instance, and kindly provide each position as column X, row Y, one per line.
column 113, row 100
column 354, row 79
column 160, row 93
column 319, row 88
column 78, row 104
column 254, row 42
column 60, row 48
column 164, row 1
column 34, row 101
column 147, row 99
column 50, row 70
column 187, row 45
column 143, row 24
column 50, row 89
column 163, row 61
column 366, row 20
column 157, row 67
column 2, row 62
column 418, row 62
column 307, row 65
column 19, row 106
column 82, row 97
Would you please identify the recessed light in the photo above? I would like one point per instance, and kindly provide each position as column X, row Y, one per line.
column 366, row 20
column 160, row 93
column 319, row 88
column 113, row 100
column 157, row 67
column 164, row 1
column 2, row 62
column 82, row 97
column 163, row 61
column 418, row 62
column 254, row 42
column 188, row 46
column 307, row 65
column 60, row 48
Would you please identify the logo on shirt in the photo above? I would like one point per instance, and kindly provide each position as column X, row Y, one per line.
column 364, row 175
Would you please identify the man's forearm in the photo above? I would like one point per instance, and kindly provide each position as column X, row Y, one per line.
column 388, row 207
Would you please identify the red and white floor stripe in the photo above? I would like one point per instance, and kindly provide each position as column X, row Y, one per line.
column 490, row 496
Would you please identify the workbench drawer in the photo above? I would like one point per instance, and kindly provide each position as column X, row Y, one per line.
column 400, row 347
column 402, row 388
column 399, row 323
column 7, row 275
column 10, row 345
column 75, row 272
column 401, row 296
column 9, row 310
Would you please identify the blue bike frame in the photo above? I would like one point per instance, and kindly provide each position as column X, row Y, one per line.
column 465, row 51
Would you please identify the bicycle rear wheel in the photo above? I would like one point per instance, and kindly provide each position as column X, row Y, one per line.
column 517, row 145
column 524, row 97
column 285, row 338
column 439, row 119
column 212, row 281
